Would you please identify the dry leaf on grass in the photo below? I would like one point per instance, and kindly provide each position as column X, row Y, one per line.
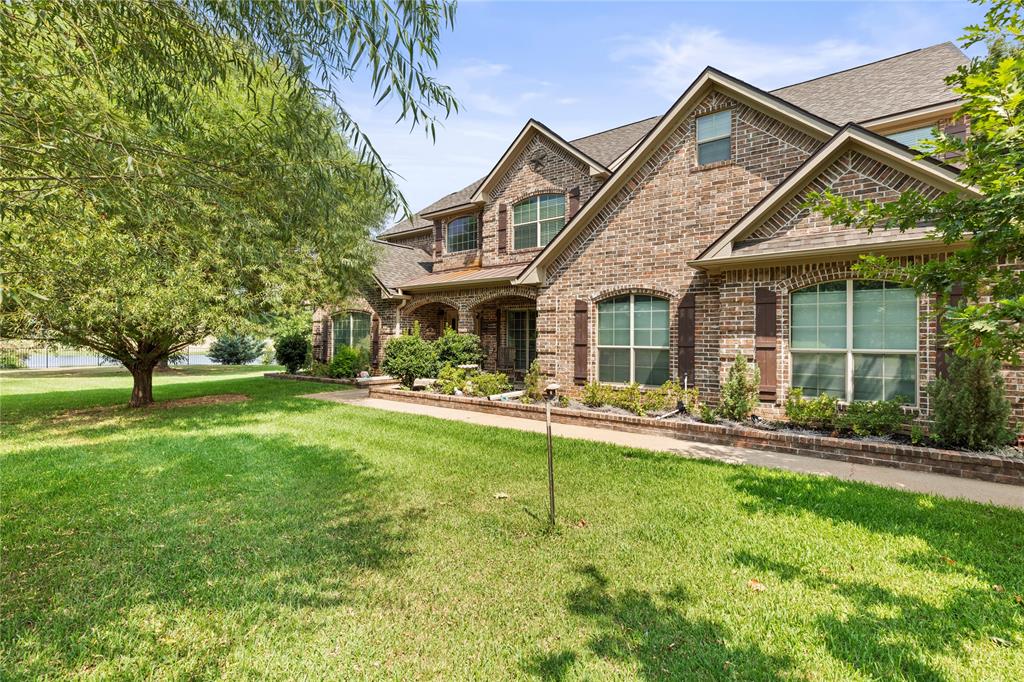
column 998, row 588
column 756, row 585
column 501, row 496
column 582, row 523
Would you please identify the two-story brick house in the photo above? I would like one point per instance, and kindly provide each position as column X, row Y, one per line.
column 663, row 248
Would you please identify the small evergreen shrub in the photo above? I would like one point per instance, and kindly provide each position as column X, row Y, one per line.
column 348, row 362
column 820, row 412
column 485, row 384
column 451, row 380
column 319, row 369
column 629, row 398
column 874, row 418
column 739, row 391
column 292, row 350
column 969, row 406
column 707, row 414
column 235, row 349
column 454, row 349
column 409, row 357
column 595, row 394
column 532, row 384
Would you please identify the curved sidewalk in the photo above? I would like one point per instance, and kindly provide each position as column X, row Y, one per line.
column 913, row 481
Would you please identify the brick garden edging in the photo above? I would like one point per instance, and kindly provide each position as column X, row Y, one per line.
column 909, row 457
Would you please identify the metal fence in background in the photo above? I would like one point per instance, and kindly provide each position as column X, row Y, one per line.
column 43, row 354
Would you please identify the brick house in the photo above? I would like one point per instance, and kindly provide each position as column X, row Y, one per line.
column 664, row 248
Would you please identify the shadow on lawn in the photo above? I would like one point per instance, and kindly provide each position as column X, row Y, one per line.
column 238, row 526
column 652, row 631
column 886, row 633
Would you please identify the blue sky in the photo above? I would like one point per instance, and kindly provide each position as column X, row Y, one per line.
column 582, row 67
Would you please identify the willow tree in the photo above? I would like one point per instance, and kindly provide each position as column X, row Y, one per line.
column 170, row 170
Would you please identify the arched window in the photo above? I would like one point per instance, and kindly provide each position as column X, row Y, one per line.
column 537, row 220
column 855, row 340
column 632, row 340
column 352, row 329
column 462, row 234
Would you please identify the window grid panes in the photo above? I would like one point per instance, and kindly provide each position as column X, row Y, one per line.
column 537, row 220
column 522, row 336
column 462, row 234
column 352, row 329
column 714, row 136
column 855, row 340
column 633, row 340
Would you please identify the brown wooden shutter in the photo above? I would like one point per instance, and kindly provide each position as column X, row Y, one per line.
column 438, row 239
column 502, row 228
column 766, row 340
column 326, row 340
column 574, row 201
column 688, row 340
column 374, row 341
column 580, row 344
column 942, row 354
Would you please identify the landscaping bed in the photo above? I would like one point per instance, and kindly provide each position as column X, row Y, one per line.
column 310, row 377
column 986, row 467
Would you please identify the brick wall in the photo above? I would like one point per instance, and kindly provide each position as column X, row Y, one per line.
column 368, row 300
column 424, row 240
column 641, row 240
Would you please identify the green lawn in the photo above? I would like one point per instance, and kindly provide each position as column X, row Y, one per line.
column 290, row 538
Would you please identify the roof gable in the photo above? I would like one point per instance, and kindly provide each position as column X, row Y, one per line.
column 756, row 224
column 531, row 129
column 711, row 79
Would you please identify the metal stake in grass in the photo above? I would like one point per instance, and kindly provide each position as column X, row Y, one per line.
column 550, row 391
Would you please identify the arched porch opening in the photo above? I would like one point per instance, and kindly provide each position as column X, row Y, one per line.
column 507, row 326
column 434, row 317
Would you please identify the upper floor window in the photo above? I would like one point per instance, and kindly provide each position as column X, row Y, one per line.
column 462, row 234
column 913, row 138
column 537, row 220
column 855, row 340
column 632, row 340
column 714, row 137
column 352, row 329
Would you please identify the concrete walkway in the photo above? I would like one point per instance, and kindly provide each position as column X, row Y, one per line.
column 915, row 481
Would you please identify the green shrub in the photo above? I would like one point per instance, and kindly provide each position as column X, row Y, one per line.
column 487, row 383
column 319, row 369
column 292, row 350
column 667, row 397
column 969, row 406
column 739, row 391
column 451, row 380
column 874, row 418
column 12, row 357
column 820, row 412
column 454, row 349
column 917, row 436
column 348, row 362
column 235, row 349
column 595, row 394
column 707, row 414
column 532, row 383
column 409, row 357
column 563, row 401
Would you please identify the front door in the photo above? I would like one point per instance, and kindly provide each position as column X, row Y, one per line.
column 522, row 336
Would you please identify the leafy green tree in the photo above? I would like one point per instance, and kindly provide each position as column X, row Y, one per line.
column 292, row 349
column 174, row 168
column 990, row 317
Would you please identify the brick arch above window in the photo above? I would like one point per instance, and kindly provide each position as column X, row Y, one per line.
column 427, row 299
column 844, row 271
column 625, row 291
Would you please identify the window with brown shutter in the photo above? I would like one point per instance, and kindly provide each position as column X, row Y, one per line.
column 502, row 227
column 687, row 340
column 580, row 344
column 943, row 354
column 766, row 339
column 438, row 239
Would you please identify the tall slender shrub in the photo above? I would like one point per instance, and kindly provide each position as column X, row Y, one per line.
column 969, row 405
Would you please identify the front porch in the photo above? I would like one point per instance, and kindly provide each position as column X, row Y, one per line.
column 506, row 325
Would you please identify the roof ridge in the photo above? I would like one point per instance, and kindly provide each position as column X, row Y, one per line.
column 861, row 66
column 624, row 125
column 387, row 243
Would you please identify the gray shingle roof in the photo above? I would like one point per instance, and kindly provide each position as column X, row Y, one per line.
column 606, row 146
column 397, row 264
column 906, row 81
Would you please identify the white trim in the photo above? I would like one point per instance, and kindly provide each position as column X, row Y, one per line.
column 885, row 151
column 537, row 221
column 929, row 113
column 632, row 347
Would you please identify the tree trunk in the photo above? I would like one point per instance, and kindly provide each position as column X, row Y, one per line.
column 142, row 390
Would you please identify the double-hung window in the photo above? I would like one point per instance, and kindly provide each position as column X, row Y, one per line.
column 462, row 234
column 537, row 220
column 632, row 340
column 352, row 329
column 714, row 137
column 855, row 340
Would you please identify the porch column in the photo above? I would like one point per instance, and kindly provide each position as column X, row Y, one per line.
column 465, row 325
